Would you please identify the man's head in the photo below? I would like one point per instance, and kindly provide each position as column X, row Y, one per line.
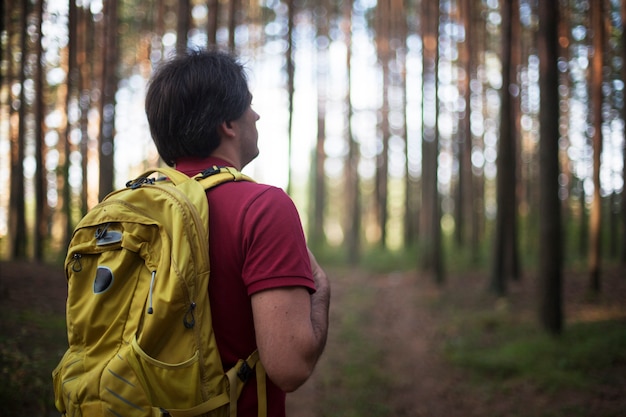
column 189, row 97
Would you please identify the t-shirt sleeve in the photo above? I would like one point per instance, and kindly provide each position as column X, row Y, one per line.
column 274, row 244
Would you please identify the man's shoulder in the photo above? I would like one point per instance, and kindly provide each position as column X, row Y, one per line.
column 254, row 188
column 252, row 193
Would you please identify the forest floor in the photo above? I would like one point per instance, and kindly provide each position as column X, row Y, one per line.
column 390, row 351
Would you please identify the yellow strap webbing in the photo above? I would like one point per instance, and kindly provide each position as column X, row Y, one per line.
column 236, row 386
column 199, row 409
column 261, row 391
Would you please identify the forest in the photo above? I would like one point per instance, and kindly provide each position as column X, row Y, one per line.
column 458, row 166
column 491, row 131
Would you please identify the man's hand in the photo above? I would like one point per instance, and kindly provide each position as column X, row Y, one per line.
column 291, row 328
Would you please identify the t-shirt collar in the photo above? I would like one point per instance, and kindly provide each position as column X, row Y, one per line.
column 192, row 166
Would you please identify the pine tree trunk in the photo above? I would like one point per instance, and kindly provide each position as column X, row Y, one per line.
column 107, row 101
column 550, row 242
column 41, row 221
column 595, row 216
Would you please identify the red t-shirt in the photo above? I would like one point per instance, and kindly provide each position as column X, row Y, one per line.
column 256, row 243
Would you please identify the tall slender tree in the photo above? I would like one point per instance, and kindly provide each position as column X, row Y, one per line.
column 212, row 22
column 383, row 47
column 412, row 183
column 41, row 220
column 17, row 169
column 505, row 260
column 623, row 208
column 72, row 77
column 232, row 23
column 595, row 216
column 319, row 156
column 183, row 25
column 289, row 57
column 550, row 239
column 353, row 193
column 84, row 50
column 431, row 256
column 109, row 78
column 463, row 203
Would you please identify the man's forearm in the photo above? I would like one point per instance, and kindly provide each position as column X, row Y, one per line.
column 320, row 305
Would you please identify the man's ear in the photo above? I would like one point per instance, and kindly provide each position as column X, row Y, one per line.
column 227, row 128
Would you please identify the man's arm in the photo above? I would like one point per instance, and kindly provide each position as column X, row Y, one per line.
column 291, row 328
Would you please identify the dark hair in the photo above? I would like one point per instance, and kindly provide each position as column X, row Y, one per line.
column 189, row 97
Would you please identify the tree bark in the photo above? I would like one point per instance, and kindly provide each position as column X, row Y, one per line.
column 463, row 212
column 319, row 158
column 353, row 193
column 431, row 256
column 17, row 169
column 623, row 211
column 41, row 221
column 107, row 101
column 182, row 29
column 85, row 72
column 289, row 57
column 383, row 20
column 595, row 216
column 505, row 262
column 550, row 242
column 232, row 24
column 72, row 71
column 212, row 22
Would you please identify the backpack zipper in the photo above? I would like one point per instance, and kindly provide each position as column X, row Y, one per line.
column 198, row 225
column 150, row 309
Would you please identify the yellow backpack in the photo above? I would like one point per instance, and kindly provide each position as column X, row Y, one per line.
column 138, row 315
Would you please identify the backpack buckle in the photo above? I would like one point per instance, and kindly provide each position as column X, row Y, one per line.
column 138, row 182
column 244, row 372
column 210, row 171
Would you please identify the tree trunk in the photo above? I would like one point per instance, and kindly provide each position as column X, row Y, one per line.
column 232, row 24
column 550, row 241
column 383, row 18
column 182, row 29
column 623, row 255
column 18, row 217
column 107, row 101
column 319, row 158
column 212, row 22
column 431, row 215
column 289, row 57
column 353, row 193
column 41, row 221
column 505, row 247
column 477, row 183
column 72, row 71
column 463, row 205
column 85, row 37
column 595, row 216
column 412, row 184
column 156, row 44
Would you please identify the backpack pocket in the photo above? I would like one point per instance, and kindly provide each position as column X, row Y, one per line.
column 67, row 378
column 167, row 385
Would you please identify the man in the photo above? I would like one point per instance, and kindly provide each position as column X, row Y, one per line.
column 267, row 291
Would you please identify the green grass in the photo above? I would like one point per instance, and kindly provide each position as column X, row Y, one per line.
column 27, row 357
column 507, row 352
column 354, row 383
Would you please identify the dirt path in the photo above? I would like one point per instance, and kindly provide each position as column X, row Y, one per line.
column 404, row 326
column 410, row 323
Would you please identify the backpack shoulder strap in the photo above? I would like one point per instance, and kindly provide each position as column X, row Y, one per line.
column 218, row 175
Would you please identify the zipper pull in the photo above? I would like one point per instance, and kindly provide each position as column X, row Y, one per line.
column 189, row 320
column 76, row 265
column 150, row 309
